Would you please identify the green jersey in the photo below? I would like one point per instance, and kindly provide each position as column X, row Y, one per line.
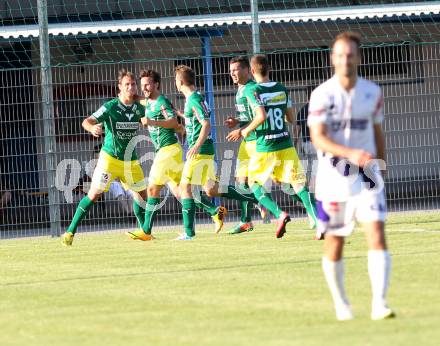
column 244, row 112
column 196, row 110
column 272, row 135
column 161, row 110
column 121, row 123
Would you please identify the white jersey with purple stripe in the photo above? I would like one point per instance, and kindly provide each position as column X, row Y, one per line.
column 350, row 117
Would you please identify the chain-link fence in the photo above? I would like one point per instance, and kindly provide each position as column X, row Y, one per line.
column 400, row 53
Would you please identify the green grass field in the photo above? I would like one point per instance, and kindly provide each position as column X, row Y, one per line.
column 250, row 289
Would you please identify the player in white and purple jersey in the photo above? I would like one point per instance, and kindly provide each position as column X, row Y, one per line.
column 345, row 117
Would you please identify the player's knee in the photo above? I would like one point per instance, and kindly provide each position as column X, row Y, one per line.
column 176, row 192
column 297, row 187
column 152, row 191
column 333, row 247
column 94, row 195
column 375, row 235
column 241, row 180
column 376, row 239
column 185, row 190
column 143, row 194
column 211, row 190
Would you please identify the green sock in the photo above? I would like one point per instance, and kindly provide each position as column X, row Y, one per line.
column 245, row 208
column 266, row 200
column 188, row 213
column 233, row 193
column 139, row 212
column 83, row 208
column 308, row 201
column 244, row 205
column 150, row 213
column 205, row 203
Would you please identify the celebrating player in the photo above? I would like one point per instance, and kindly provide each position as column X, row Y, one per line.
column 199, row 169
column 275, row 156
column 345, row 119
column 240, row 74
column 167, row 166
column 117, row 159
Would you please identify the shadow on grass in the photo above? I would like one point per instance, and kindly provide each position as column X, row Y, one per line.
column 193, row 270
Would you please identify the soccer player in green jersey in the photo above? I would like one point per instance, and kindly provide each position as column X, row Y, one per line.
column 275, row 157
column 240, row 73
column 117, row 159
column 199, row 168
column 161, row 121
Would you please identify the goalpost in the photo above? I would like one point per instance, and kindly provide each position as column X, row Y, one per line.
column 88, row 42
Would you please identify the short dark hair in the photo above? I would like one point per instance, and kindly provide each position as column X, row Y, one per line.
column 154, row 75
column 124, row 73
column 242, row 60
column 187, row 73
column 348, row 36
column 260, row 63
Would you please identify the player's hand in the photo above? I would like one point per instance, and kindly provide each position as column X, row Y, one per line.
column 97, row 130
column 359, row 157
column 177, row 111
column 231, row 122
column 180, row 129
column 192, row 152
column 145, row 121
column 234, row 135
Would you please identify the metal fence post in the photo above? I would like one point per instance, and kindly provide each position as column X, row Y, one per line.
column 48, row 119
column 209, row 87
column 255, row 27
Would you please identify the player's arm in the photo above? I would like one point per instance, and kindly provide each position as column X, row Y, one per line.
column 321, row 141
column 290, row 116
column 204, row 132
column 259, row 117
column 91, row 125
column 297, row 136
column 178, row 112
column 231, row 122
column 168, row 112
column 379, row 138
column 202, row 113
column 258, row 111
column 166, row 124
column 243, row 132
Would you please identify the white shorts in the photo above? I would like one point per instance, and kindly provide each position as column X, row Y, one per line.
column 338, row 218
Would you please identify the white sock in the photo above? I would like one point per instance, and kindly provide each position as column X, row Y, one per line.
column 334, row 274
column 379, row 268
